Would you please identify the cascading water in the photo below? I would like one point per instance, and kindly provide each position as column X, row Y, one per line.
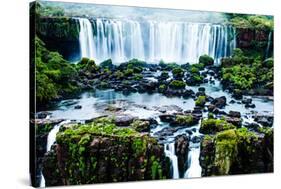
column 50, row 141
column 170, row 152
column 193, row 160
column 269, row 41
column 86, row 39
column 151, row 41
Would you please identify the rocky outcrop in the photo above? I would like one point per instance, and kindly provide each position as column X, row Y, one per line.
column 181, row 146
column 237, row 151
column 101, row 152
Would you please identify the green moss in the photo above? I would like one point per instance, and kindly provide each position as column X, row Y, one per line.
column 128, row 72
column 162, row 88
column 164, row 75
column 253, row 22
column 178, row 73
column 201, row 100
column 186, row 120
column 177, row 84
column 206, row 60
column 226, row 150
column 137, row 77
column 211, row 126
column 140, row 125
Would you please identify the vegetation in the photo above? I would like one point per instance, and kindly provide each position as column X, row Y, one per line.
column 206, row 60
column 54, row 75
column 184, row 120
column 246, row 73
column 201, row 100
column 212, row 126
column 177, row 84
column 178, row 73
column 253, row 22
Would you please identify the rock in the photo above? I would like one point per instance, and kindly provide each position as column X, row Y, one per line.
column 232, row 101
column 247, row 101
column 78, row 107
column 169, row 108
column 184, row 120
column 196, row 139
column 124, row 120
column 141, row 125
column 250, row 105
column 42, row 115
column 237, row 151
column 188, row 93
column 264, row 119
column 234, row 114
column 235, row 121
column 219, row 102
column 201, row 89
column 181, row 149
column 167, row 118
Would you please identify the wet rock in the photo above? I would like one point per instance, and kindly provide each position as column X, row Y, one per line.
column 264, row 119
column 235, row 121
column 141, row 125
column 181, row 148
column 247, row 101
column 78, row 107
column 201, row 89
column 188, row 93
column 232, row 101
column 42, row 115
column 169, row 108
column 219, row 102
column 124, row 120
column 234, row 114
column 250, row 105
column 167, row 117
column 196, row 139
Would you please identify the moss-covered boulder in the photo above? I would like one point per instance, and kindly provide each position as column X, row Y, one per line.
column 237, row 151
column 200, row 101
column 212, row 126
column 177, row 84
column 100, row 152
column 206, row 60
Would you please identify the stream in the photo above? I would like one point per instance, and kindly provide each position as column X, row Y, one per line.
column 144, row 105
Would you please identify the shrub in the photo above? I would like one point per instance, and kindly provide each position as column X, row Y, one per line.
column 201, row 100
column 178, row 73
column 211, row 126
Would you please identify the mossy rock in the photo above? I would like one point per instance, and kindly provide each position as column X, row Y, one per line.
column 177, row 84
column 212, row 126
column 206, row 60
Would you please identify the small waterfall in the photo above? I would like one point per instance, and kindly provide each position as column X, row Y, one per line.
column 193, row 160
column 268, row 45
column 50, row 141
column 151, row 41
column 170, row 152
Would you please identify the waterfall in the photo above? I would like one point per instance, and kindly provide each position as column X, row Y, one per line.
column 86, row 39
column 151, row 41
column 170, row 152
column 193, row 161
column 50, row 141
column 268, row 45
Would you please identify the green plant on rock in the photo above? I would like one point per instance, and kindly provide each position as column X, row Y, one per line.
column 178, row 73
column 177, row 84
column 211, row 126
column 201, row 100
column 206, row 60
column 186, row 120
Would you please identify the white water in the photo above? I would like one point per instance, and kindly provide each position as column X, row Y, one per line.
column 170, row 152
column 50, row 141
column 193, row 160
column 86, row 39
column 268, row 45
column 181, row 42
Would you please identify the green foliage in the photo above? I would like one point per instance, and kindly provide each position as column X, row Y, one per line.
column 211, row 126
column 164, row 75
column 201, row 100
column 178, row 73
column 206, row 60
column 49, row 10
column 186, row 120
column 53, row 74
column 247, row 73
column 137, row 77
column 162, row 88
column 176, row 84
column 128, row 72
column 253, row 22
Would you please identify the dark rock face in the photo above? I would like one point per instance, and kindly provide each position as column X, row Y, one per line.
column 235, row 152
column 265, row 120
column 78, row 107
column 105, row 159
column 181, row 147
column 219, row 102
column 234, row 114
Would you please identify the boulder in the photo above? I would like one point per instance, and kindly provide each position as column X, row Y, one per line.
column 181, row 149
column 219, row 102
column 124, row 120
